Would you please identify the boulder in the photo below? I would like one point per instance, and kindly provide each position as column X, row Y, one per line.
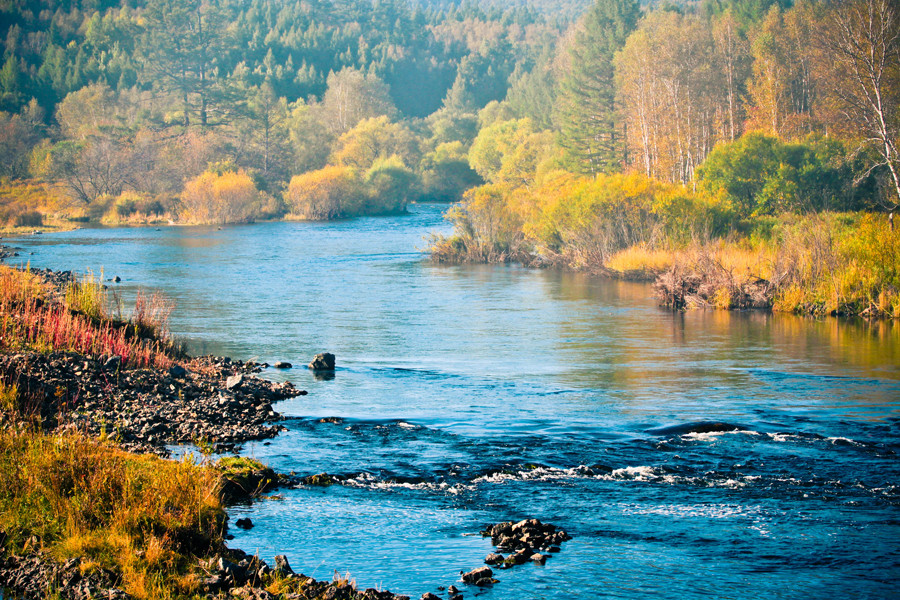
column 322, row 362
column 177, row 371
column 244, row 523
column 493, row 559
column 283, row 365
column 476, row 576
column 430, row 596
column 281, row 565
column 234, row 382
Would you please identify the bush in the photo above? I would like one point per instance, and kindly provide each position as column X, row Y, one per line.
column 761, row 175
column 226, row 197
column 328, row 193
column 31, row 218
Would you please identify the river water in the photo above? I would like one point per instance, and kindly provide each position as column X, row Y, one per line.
column 468, row 395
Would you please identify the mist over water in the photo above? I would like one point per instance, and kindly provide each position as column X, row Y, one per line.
column 703, row 454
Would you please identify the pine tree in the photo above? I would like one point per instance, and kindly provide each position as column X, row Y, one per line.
column 590, row 130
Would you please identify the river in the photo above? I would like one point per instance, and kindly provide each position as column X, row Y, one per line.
column 468, row 395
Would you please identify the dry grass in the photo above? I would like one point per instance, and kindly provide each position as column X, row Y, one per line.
column 18, row 285
column 640, row 262
column 140, row 516
column 824, row 264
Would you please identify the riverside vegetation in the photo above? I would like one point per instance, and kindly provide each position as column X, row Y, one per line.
column 743, row 155
column 740, row 148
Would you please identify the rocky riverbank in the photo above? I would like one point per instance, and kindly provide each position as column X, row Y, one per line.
column 210, row 401
column 228, row 574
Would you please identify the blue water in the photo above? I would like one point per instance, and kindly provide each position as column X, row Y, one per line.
column 467, row 395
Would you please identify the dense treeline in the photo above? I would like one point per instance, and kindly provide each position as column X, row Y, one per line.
column 128, row 103
column 637, row 127
column 652, row 131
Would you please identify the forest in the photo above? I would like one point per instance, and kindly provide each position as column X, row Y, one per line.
column 721, row 138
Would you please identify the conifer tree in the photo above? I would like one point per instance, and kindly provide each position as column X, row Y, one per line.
column 590, row 129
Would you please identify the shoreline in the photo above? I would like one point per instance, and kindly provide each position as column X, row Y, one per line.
column 110, row 410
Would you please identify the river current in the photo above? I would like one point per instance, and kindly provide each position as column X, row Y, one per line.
column 690, row 455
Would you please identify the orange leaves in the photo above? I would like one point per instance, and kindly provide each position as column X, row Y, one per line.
column 229, row 197
column 324, row 194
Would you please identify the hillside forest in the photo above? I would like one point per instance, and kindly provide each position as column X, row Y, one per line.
column 744, row 149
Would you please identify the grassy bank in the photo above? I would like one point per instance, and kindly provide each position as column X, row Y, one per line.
column 141, row 517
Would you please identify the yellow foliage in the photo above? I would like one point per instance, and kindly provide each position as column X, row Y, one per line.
column 327, row 193
column 229, row 197
column 640, row 262
column 119, row 511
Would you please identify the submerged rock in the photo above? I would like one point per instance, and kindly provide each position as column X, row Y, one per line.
column 322, row 362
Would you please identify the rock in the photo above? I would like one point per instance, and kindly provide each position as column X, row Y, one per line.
column 477, row 575
column 177, row 371
column 322, row 362
column 283, row 365
column 117, row 279
column 244, row 523
column 232, row 572
column 282, row 567
column 234, row 382
column 452, row 589
column 430, row 596
column 493, row 559
column 113, row 363
column 538, row 558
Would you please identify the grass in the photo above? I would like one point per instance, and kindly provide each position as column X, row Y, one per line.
column 140, row 516
column 88, row 296
column 640, row 262
column 31, row 320
column 839, row 264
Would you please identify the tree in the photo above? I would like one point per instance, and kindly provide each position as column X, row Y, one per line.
column 733, row 56
column 509, row 152
column 267, row 117
column 673, row 95
column 183, row 42
column 862, row 42
column 589, row 123
column 353, row 96
column 373, row 139
column 391, row 185
column 446, row 173
column 782, row 87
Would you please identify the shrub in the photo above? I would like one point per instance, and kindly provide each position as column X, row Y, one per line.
column 226, row 197
column 328, row 193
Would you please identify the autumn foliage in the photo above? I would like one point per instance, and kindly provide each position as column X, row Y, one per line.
column 228, row 197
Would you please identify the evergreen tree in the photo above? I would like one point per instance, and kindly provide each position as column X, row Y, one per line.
column 590, row 128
